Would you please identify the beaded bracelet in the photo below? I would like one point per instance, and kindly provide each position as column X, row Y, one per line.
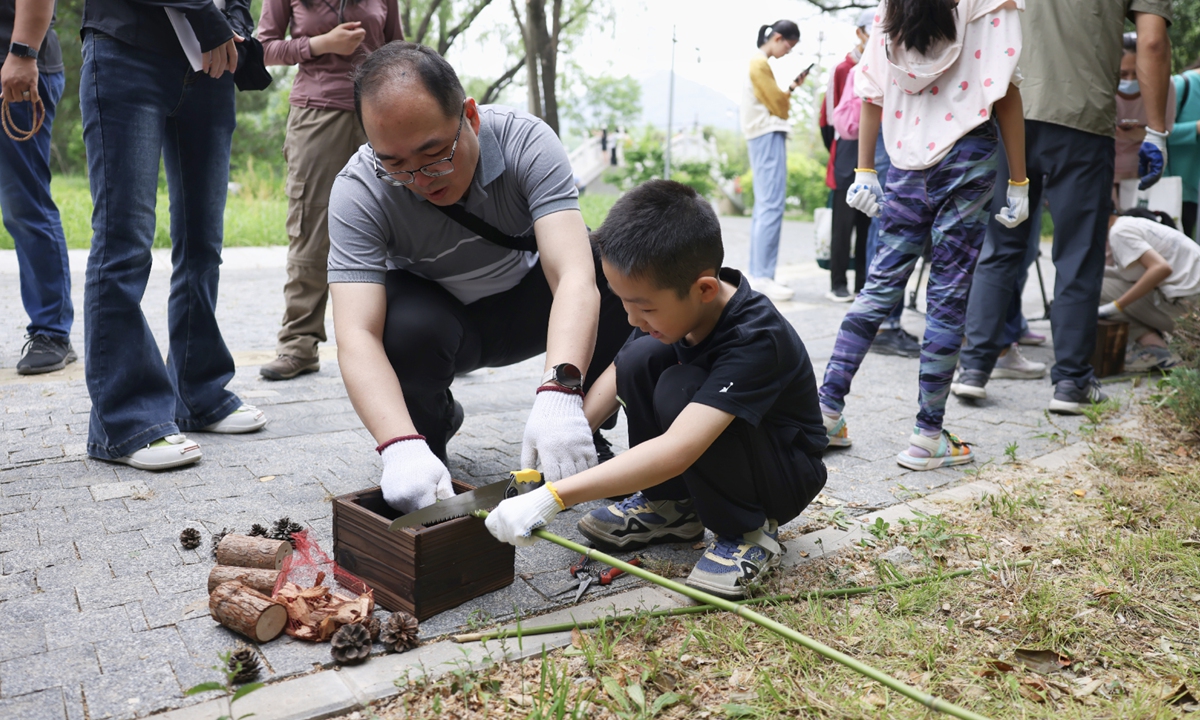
column 393, row 441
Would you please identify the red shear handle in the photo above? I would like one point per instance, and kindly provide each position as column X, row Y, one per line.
column 611, row 574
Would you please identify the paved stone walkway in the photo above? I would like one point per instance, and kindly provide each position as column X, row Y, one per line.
column 105, row 615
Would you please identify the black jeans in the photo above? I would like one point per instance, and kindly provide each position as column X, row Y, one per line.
column 749, row 474
column 1074, row 170
column 845, row 221
column 430, row 336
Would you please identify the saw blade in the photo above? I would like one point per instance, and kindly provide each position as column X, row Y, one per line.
column 484, row 498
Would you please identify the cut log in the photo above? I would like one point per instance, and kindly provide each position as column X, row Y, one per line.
column 247, row 611
column 256, row 578
column 253, row 552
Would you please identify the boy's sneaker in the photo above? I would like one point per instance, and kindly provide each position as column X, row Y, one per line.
column 636, row 522
column 245, row 419
column 839, row 435
column 168, row 452
column 774, row 290
column 1070, row 399
column 1149, row 357
column 895, row 342
column 840, row 295
column 604, row 451
column 1015, row 366
column 944, row 451
column 728, row 565
column 1032, row 338
column 970, row 384
column 45, row 353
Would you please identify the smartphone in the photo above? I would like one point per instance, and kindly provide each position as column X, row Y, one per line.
column 804, row 73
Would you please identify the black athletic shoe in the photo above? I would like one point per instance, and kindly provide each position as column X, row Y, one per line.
column 604, row 451
column 896, row 342
column 45, row 353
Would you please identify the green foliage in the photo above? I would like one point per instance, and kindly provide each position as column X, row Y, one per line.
column 228, row 689
column 806, row 190
column 1182, row 395
column 644, row 161
column 1185, row 340
column 597, row 102
column 1185, row 33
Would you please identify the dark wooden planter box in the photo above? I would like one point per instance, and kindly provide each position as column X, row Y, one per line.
column 424, row 570
column 1109, row 356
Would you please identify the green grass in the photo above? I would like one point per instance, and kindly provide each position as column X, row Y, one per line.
column 595, row 208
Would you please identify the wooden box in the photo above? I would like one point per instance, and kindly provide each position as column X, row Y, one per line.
column 423, row 570
column 1109, row 356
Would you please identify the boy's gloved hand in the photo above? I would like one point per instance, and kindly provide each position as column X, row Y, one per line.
column 864, row 195
column 558, row 439
column 1017, row 210
column 514, row 520
column 413, row 477
column 1152, row 158
column 1109, row 310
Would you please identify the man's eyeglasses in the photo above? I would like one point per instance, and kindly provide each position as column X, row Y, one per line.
column 437, row 169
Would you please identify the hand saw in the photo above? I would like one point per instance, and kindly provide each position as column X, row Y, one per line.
column 484, row 498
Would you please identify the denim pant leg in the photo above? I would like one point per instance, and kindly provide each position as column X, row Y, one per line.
column 31, row 217
column 768, row 160
column 883, row 163
column 196, row 146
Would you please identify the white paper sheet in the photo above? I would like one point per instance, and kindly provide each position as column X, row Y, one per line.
column 187, row 36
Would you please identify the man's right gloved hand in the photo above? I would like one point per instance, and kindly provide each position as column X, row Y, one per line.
column 864, row 195
column 413, row 477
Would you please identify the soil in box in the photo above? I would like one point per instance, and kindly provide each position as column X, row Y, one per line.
column 424, row 570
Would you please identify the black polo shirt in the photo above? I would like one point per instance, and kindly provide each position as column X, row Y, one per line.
column 144, row 25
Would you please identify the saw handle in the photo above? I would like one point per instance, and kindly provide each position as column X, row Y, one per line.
column 522, row 481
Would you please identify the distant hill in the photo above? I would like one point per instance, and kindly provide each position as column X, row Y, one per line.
column 693, row 103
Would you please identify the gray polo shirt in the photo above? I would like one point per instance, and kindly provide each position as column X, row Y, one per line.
column 523, row 175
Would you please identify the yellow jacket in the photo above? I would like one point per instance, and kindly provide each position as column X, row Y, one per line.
column 764, row 105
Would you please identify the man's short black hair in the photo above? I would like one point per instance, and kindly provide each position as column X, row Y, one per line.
column 398, row 59
column 662, row 231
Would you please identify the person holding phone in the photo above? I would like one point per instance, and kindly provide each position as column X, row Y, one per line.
column 1131, row 115
column 765, row 124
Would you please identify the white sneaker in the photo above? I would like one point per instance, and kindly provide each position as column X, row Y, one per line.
column 168, row 452
column 245, row 419
column 772, row 289
column 1014, row 366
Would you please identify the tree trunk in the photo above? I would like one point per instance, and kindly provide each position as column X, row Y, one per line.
column 548, row 50
column 253, row 552
column 261, row 580
column 247, row 611
column 535, row 23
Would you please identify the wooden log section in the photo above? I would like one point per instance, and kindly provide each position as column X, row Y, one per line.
column 247, row 611
column 252, row 552
column 254, row 578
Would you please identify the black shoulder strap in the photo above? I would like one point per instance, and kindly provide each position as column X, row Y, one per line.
column 1187, row 85
column 486, row 230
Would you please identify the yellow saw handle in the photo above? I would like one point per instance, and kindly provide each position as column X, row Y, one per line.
column 522, row 481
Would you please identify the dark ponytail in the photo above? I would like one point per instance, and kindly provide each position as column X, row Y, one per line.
column 786, row 29
column 919, row 24
column 1157, row 216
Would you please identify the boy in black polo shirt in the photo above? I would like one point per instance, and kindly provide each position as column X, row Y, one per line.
column 725, row 432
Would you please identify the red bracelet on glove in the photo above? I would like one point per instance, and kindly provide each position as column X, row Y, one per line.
column 561, row 389
column 395, row 440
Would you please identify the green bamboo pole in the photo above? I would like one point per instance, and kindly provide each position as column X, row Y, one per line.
column 742, row 611
column 696, row 609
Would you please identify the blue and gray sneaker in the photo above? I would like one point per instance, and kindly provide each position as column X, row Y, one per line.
column 636, row 522
column 730, row 564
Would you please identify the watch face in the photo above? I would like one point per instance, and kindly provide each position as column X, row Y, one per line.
column 568, row 375
column 22, row 50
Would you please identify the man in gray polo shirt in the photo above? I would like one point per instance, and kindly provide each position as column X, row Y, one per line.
column 456, row 243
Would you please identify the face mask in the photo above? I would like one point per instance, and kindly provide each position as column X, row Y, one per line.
column 1128, row 87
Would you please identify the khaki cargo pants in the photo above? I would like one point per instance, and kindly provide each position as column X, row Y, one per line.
column 319, row 142
column 1150, row 312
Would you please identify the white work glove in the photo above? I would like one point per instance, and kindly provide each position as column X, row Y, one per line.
column 413, row 477
column 514, row 520
column 864, row 195
column 1109, row 310
column 1017, row 210
column 558, row 439
column 1152, row 158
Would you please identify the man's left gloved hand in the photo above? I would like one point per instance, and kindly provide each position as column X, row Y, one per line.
column 558, row 439
column 1152, row 158
column 514, row 520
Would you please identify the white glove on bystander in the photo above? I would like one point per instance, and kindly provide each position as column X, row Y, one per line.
column 413, row 477
column 865, row 194
column 1109, row 310
column 558, row 439
column 514, row 520
column 1017, row 210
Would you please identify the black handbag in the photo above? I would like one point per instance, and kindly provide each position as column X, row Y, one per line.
column 251, row 73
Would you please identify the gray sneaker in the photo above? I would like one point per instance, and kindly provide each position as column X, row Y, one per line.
column 970, row 384
column 1070, row 399
column 636, row 522
column 286, row 367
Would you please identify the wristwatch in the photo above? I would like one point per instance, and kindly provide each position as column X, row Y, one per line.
column 22, row 50
column 566, row 375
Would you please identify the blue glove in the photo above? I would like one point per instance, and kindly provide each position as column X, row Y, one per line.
column 1152, row 158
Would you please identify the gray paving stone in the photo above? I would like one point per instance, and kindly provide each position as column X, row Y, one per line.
column 167, row 610
column 41, row 705
column 158, row 647
column 72, row 574
column 41, row 556
column 48, row 670
column 17, row 585
column 39, row 606
column 21, row 639
column 110, row 593
column 110, row 491
column 137, row 689
column 80, row 628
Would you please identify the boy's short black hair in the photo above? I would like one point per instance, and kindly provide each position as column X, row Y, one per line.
column 662, row 231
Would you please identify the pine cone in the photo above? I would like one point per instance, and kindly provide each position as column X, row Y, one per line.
column 374, row 627
column 248, row 658
column 190, row 539
column 400, row 632
column 284, row 528
column 217, row 538
column 351, row 644
column 257, row 530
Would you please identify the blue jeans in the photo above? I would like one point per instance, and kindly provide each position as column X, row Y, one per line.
column 768, row 160
column 137, row 105
column 31, row 217
column 883, row 163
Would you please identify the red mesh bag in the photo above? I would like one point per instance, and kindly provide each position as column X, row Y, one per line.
column 319, row 595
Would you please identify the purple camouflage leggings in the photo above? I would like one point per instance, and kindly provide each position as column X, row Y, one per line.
column 951, row 202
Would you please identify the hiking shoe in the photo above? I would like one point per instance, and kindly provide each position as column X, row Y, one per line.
column 45, row 353
column 604, row 451
column 1015, row 366
column 944, row 451
column 896, row 342
column 636, row 522
column 245, row 419
column 1149, row 357
column 970, row 384
column 167, row 452
column 1032, row 338
column 1070, row 399
column 728, row 565
column 840, row 295
column 839, row 436
column 286, row 367
column 774, row 290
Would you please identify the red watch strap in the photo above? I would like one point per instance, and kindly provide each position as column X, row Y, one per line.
column 393, row 441
column 561, row 389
